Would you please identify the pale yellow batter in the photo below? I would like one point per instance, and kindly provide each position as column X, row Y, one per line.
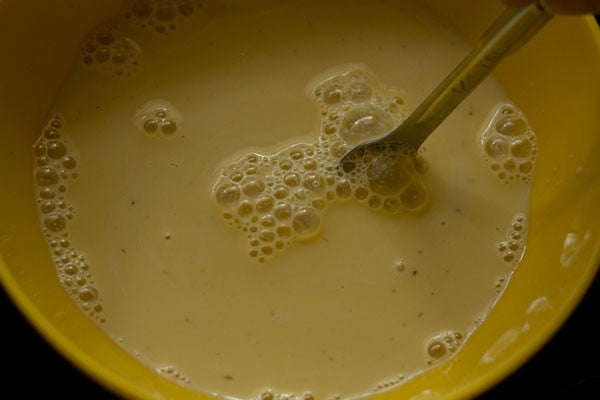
column 189, row 188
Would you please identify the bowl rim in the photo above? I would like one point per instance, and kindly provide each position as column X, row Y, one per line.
column 120, row 386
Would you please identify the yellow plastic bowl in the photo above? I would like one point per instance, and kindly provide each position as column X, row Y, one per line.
column 554, row 79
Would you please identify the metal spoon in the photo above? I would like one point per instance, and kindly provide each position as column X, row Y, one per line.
column 512, row 29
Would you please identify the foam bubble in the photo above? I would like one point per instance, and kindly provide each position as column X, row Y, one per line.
column 264, row 204
column 47, row 176
column 227, row 193
column 442, row 345
column 306, row 222
column 365, row 122
column 343, row 189
column 158, row 118
column 55, row 222
column 496, row 146
column 252, row 187
column 282, row 211
column 521, row 147
column 511, row 125
column 56, row 149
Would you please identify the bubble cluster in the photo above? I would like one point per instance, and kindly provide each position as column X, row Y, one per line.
column 280, row 198
column 512, row 248
column 174, row 374
column 440, row 346
column 355, row 106
column 509, row 145
column 54, row 167
column 499, row 283
column 110, row 51
column 270, row 395
column 389, row 383
column 158, row 118
column 161, row 16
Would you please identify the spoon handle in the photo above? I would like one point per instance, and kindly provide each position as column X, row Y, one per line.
column 512, row 29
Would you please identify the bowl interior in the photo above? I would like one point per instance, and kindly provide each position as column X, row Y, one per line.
column 554, row 79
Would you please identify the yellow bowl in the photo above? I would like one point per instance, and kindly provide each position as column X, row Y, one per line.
column 554, row 79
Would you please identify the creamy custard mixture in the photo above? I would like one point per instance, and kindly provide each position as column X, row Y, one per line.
column 188, row 183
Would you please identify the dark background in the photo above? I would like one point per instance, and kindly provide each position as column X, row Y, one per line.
column 567, row 367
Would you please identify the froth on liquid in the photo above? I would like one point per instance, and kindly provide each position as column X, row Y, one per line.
column 189, row 156
column 277, row 199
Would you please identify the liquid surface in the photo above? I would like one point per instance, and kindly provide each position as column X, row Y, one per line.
column 189, row 186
